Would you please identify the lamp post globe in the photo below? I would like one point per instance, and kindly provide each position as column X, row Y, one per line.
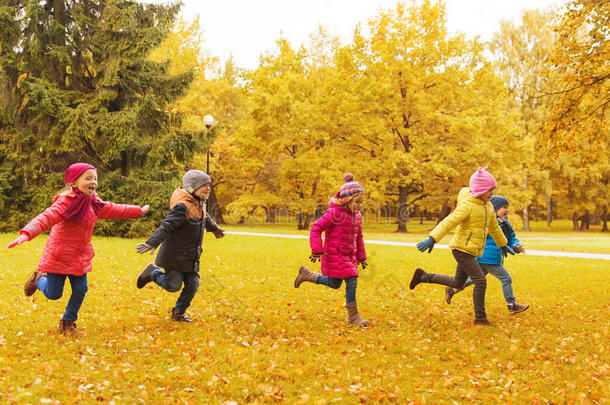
column 208, row 121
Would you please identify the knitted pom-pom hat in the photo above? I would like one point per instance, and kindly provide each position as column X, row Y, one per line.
column 349, row 190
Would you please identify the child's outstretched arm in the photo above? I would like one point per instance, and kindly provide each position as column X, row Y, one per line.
column 458, row 215
column 212, row 226
column 122, row 211
column 174, row 220
column 42, row 222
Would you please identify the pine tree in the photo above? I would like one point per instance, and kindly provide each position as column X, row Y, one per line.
column 77, row 85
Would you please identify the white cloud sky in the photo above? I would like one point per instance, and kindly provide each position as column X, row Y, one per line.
column 248, row 28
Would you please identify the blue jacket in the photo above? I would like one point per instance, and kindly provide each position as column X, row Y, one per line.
column 492, row 253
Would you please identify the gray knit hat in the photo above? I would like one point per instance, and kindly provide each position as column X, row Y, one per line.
column 498, row 201
column 193, row 179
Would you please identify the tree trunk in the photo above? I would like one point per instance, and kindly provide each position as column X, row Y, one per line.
column 549, row 212
column 444, row 212
column 270, row 215
column 575, row 221
column 605, row 219
column 584, row 221
column 402, row 209
column 214, row 208
column 421, row 217
column 303, row 221
column 526, row 218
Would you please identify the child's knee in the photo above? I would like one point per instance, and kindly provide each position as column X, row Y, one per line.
column 53, row 295
column 173, row 287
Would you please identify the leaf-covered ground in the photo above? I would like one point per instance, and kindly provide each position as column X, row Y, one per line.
column 257, row 339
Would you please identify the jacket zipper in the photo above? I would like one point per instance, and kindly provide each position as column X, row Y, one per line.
column 468, row 240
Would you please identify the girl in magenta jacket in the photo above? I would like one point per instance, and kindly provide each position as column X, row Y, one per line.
column 68, row 251
column 343, row 246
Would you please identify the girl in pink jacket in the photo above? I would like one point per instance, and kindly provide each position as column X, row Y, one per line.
column 68, row 251
column 343, row 246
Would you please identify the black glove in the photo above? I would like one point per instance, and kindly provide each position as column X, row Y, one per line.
column 363, row 263
column 219, row 233
column 506, row 250
column 314, row 257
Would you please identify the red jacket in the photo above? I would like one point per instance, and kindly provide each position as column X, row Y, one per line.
column 68, row 249
column 343, row 242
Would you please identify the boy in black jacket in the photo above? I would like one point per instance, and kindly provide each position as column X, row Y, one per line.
column 181, row 234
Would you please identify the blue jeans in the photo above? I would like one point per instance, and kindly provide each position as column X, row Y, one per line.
column 172, row 281
column 501, row 274
column 52, row 286
column 351, row 283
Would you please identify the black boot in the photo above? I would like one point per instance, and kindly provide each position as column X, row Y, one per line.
column 178, row 316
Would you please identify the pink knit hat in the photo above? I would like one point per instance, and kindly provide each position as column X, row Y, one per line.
column 481, row 182
column 75, row 170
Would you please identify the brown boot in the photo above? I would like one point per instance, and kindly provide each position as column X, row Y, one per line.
column 482, row 322
column 68, row 327
column 416, row 279
column 305, row 275
column 30, row 286
column 179, row 316
column 449, row 293
column 353, row 316
column 145, row 276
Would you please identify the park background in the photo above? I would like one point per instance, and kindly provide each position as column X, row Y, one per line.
column 407, row 107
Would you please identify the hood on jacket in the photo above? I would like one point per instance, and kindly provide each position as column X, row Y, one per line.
column 195, row 208
column 465, row 196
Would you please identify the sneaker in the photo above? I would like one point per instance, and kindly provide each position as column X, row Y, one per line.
column 482, row 322
column 416, row 278
column 30, row 286
column 179, row 316
column 145, row 276
column 515, row 308
column 449, row 292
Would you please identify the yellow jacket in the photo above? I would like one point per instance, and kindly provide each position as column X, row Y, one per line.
column 474, row 220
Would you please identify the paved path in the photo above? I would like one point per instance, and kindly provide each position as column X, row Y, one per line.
column 578, row 255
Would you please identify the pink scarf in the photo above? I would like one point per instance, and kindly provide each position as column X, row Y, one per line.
column 80, row 210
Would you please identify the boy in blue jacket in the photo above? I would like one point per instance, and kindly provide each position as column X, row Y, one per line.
column 492, row 260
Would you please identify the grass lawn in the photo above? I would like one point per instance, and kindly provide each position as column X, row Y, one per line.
column 257, row 339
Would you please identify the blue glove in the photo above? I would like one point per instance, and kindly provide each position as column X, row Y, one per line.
column 427, row 243
column 506, row 250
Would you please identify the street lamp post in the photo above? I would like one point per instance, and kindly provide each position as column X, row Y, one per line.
column 209, row 122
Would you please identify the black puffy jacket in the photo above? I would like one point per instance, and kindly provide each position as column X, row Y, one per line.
column 181, row 233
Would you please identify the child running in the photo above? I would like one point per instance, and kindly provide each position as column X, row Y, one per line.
column 182, row 235
column 474, row 219
column 492, row 260
column 68, row 251
column 343, row 247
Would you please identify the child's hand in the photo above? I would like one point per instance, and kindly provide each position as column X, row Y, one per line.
column 145, row 209
column 519, row 249
column 220, row 233
column 363, row 263
column 314, row 257
column 20, row 239
column 143, row 248
column 427, row 243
